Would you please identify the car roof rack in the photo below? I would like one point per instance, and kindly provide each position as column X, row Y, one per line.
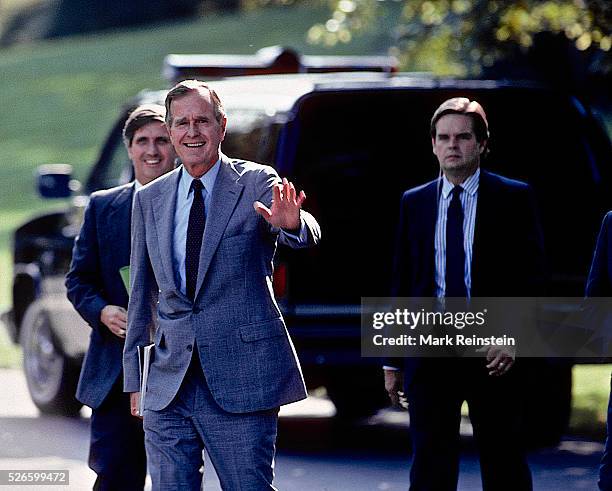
column 272, row 60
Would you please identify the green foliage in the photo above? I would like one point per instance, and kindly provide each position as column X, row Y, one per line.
column 459, row 37
column 590, row 392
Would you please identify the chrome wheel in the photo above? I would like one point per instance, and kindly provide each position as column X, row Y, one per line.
column 51, row 378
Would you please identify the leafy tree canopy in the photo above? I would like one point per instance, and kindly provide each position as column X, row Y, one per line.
column 463, row 37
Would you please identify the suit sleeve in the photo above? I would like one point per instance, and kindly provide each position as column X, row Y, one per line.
column 401, row 262
column 83, row 281
column 143, row 300
column 598, row 282
column 399, row 271
column 310, row 232
column 535, row 255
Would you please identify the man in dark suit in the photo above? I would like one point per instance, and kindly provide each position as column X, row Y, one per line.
column 469, row 233
column 599, row 284
column 96, row 290
column 203, row 245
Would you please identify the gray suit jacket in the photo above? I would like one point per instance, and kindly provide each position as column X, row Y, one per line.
column 245, row 351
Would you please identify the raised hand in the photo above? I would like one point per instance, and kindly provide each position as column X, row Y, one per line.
column 286, row 204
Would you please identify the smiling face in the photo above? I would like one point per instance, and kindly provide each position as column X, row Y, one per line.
column 151, row 152
column 195, row 132
column 456, row 147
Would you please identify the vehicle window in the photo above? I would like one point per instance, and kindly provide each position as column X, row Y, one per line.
column 249, row 135
column 113, row 166
column 356, row 152
column 119, row 169
column 539, row 137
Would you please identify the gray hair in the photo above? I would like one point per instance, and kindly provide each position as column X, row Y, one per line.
column 187, row 86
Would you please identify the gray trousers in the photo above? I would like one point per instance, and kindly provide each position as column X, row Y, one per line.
column 241, row 446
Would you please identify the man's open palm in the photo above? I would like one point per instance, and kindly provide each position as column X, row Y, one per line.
column 286, row 204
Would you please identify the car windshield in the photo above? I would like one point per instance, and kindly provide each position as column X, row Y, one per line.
column 358, row 151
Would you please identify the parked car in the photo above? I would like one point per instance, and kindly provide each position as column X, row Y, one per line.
column 354, row 142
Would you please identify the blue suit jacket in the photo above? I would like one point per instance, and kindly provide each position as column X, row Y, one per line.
column 508, row 252
column 244, row 349
column 101, row 248
column 598, row 282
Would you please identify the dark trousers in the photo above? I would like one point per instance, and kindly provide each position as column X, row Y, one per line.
column 605, row 469
column 436, row 390
column 117, row 452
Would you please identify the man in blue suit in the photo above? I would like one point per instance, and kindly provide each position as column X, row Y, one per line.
column 97, row 292
column 203, row 244
column 469, row 233
column 599, row 284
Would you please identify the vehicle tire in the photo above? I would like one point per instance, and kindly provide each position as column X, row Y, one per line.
column 51, row 376
column 548, row 402
column 357, row 392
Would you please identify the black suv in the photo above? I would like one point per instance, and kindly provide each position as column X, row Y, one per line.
column 354, row 142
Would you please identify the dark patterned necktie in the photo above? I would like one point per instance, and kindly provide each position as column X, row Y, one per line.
column 455, row 252
column 195, row 231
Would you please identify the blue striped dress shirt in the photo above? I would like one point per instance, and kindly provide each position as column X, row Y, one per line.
column 469, row 199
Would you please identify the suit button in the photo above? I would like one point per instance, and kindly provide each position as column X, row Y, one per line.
column 196, row 310
column 189, row 347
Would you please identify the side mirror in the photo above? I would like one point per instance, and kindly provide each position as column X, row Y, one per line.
column 55, row 181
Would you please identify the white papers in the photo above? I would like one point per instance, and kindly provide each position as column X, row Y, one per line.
column 145, row 355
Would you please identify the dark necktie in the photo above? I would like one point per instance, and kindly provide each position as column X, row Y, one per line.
column 195, row 231
column 455, row 253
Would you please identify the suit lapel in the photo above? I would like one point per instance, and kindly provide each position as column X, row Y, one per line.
column 119, row 222
column 429, row 223
column 224, row 198
column 484, row 226
column 164, row 205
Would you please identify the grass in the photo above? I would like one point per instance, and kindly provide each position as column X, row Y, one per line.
column 591, row 389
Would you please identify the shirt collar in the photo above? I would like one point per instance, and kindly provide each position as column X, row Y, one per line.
column 137, row 185
column 470, row 185
column 208, row 179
